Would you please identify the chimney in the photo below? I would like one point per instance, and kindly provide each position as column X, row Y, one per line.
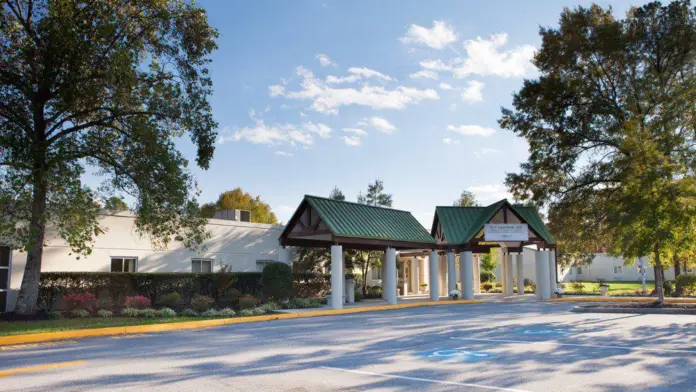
column 233, row 215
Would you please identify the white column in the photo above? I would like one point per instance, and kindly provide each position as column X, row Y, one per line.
column 503, row 270
column 466, row 268
column 383, row 274
column 510, row 275
column 336, row 277
column 545, row 278
column 433, row 275
column 552, row 270
column 477, row 274
column 391, row 276
column 451, row 273
column 442, row 275
column 415, row 281
column 537, row 272
column 520, row 274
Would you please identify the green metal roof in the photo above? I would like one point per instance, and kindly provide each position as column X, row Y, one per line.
column 461, row 224
column 347, row 219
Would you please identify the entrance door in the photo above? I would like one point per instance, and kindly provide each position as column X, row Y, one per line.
column 5, row 255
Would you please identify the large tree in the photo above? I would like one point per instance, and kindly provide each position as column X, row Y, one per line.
column 375, row 196
column 104, row 85
column 240, row 200
column 466, row 199
column 611, row 127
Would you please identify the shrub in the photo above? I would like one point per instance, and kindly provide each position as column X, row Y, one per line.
column 499, row 284
column 170, row 300
column 686, row 284
column 105, row 302
column 103, row 313
column 358, row 295
column 227, row 312
column 487, row 276
column 487, row 287
column 247, row 302
column 258, row 311
column 528, row 282
column 577, row 286
column 230, row 297
column 188, row 313
column 277, row 281
column 303, row 303
column 201, row 303
column 270, row 306
column 310, row 284
column 166, row 312
column 84, row 301
column 79, row 313
column 376, row 291
column 129, row 312
column 668, row 287
column 210, row 313
column 147, row 313
column 53, row 315
column 246, row 312
column 137, row 302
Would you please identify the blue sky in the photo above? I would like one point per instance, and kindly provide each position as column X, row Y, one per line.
column 315, row 94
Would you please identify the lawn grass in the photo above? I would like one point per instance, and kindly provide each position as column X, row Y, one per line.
column 615, row 288
column 8, row 328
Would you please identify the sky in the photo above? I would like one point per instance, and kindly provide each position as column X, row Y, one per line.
column 319, row 93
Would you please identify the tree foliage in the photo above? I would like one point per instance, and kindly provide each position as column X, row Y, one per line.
column 107, row 86
column 336, row 194
column 115, row 204
column 240, row 200
column 610, row 123
column 466, row 199
column 375, row 195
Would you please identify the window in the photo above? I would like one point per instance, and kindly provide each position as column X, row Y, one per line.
column 199, row 266
column 578, row 270
column 123, row 264
column 618, row 269
column 376, row 273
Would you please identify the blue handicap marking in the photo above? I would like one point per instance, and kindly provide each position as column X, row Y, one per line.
column 456, row 354
column 543, row 332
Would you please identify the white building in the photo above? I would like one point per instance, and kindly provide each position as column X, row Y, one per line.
column 611, row 269
column 244, row 246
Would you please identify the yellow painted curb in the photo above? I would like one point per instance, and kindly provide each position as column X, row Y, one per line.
column 133, row 329
column 620, row 299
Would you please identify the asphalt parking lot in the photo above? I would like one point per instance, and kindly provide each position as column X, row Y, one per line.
column 485, row 347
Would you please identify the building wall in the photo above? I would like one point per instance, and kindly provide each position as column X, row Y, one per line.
column 602, row 267
column 238, row 244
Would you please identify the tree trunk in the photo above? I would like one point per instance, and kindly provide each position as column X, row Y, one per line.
column 677, row 267
column 658, row 276
column 29, row 291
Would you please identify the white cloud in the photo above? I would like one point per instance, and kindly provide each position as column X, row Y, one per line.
column 284, row 154
column 436, row 65
column 351, row 140
column 445, row 86
column 471, row 130
column 424, row 74
column 356, row 131
column 328, row 99
column 379, row 124
column 303, row 114
column 277, row 134
column 437, row 37
column 484, row 57
column 448, row 140
column 325, row 61
column 486, row 151
column 489, row 193
column 357, row 74
column 276, row 90
column 453, row 107
column 472, row 93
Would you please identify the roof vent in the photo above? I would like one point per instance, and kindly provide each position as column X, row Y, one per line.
column 233, row 215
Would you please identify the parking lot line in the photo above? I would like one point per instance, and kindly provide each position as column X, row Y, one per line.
column 10, row 372
column 579, row 345
column 460, row 384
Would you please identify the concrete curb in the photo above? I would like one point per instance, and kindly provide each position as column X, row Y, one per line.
column 624, row 299
column 134, row 329
column 596, row 309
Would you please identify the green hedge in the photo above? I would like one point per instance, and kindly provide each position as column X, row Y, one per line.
column 117, row 286
column 277, row 281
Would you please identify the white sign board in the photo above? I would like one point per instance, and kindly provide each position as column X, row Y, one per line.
column 506, row 232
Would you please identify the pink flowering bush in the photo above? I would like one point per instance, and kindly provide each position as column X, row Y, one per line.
column 84, row 301
column 138, row 302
